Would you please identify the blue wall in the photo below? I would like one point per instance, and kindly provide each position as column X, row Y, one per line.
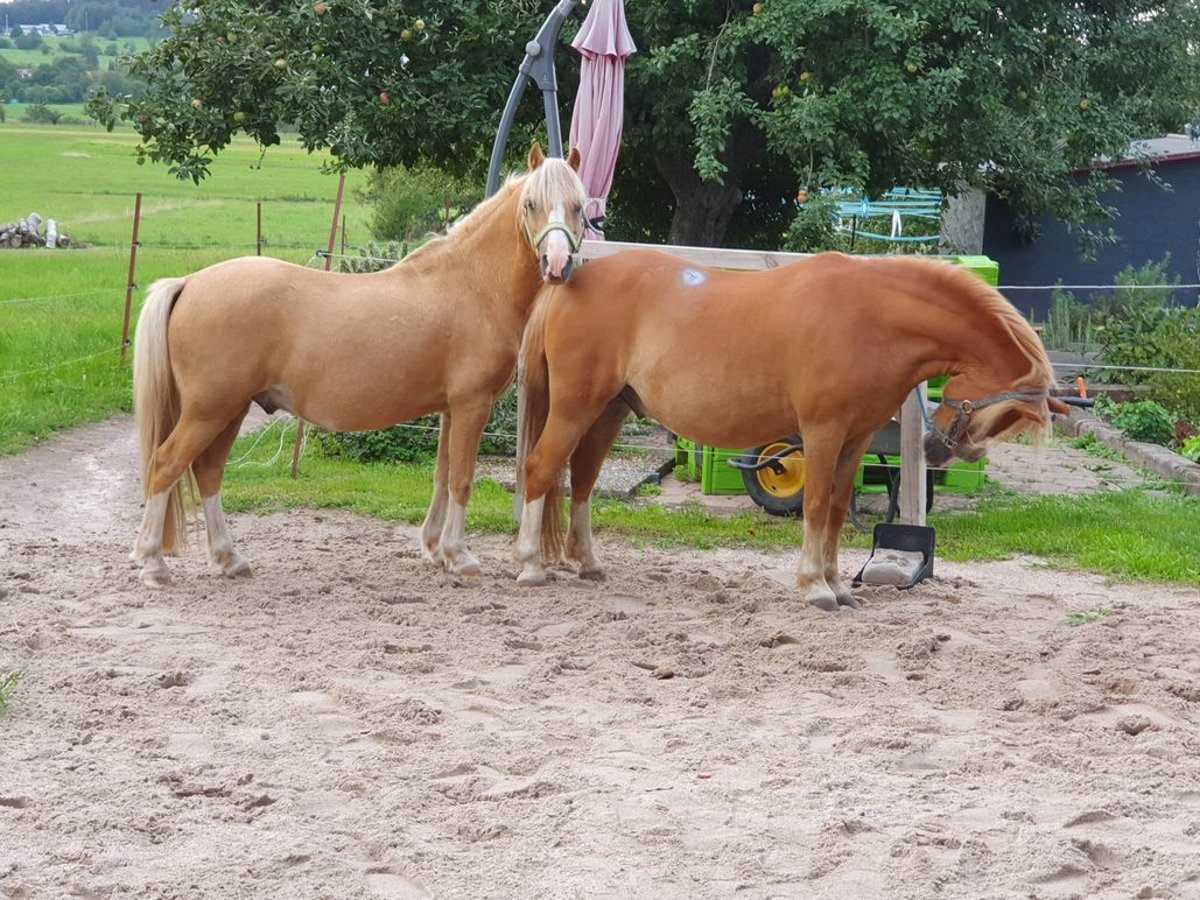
column 1151, row 223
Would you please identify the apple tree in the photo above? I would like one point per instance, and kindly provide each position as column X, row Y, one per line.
column 732, row 107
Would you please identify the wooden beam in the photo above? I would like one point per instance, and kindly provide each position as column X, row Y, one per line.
column 718, row 257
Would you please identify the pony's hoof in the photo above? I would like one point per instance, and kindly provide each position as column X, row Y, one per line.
column 236, row 568
column 532, row 577
column 849, row 600
column 464, row 565
column 155, row 578
column 827, row 603
column 593, row 574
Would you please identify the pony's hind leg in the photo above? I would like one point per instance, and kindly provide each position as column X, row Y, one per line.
column 543, row 468
column 435, row 519
column 189, row 437
column 209, row 469
column 586, row 462
column 466, row 429
column 147, row 546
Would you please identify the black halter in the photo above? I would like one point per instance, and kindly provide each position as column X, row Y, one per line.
column 958, row 427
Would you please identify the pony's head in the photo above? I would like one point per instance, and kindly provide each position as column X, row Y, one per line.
column 982, row 405
column 551, row 212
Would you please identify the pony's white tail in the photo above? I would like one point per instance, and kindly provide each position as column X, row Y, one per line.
column 535, row 393
column 156, row 400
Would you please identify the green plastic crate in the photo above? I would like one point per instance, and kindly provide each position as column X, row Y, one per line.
column 717, row 476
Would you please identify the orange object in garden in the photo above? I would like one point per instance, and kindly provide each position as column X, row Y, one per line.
column 1082, row 386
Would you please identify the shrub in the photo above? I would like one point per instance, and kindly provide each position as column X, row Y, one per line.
column 410, row 202
column 417, row 441
column 1068, row 324
column 372, row 258
column 1144, row 420
column 1191, row 448
column 39, row 112
column 413, row 442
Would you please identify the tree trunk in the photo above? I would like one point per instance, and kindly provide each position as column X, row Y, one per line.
column 703, row 208
column 702, row 213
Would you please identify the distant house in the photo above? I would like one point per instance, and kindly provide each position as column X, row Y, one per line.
column 24, row 74
column 1150, row 223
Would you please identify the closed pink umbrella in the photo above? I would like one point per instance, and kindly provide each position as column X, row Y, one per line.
column 598, row 118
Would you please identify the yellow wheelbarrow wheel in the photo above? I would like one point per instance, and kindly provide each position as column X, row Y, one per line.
column 780, row 493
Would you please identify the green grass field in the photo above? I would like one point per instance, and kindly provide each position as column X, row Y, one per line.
column 54, row 377
column 87, row 179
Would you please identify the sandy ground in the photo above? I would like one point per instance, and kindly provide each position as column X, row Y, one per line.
column 351, row 723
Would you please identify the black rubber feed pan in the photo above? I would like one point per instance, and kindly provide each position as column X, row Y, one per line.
column 905, row 539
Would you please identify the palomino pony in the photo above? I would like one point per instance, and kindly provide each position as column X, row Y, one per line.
column 438, row 332
column 827, row 347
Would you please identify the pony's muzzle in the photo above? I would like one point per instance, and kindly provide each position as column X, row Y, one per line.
column 557, row 274
column 937, row 454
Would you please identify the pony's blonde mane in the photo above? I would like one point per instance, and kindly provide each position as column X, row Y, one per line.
column 967, row 287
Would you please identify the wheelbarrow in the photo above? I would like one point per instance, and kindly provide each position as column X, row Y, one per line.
column 774, row 475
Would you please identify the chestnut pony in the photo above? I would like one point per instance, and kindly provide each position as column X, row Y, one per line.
column 827, row 347
column 438, row 332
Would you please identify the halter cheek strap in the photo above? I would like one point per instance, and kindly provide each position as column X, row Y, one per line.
column 535, row 241
column 958, row 427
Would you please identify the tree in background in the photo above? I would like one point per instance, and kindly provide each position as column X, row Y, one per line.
column 732, row 107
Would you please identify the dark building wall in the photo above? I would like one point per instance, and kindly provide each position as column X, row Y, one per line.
column 1151, row 223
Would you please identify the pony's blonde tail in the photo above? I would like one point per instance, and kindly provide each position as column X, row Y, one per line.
column 535, row 395
column 156, row 400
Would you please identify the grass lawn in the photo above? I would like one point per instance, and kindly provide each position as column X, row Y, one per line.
column 57, row 307
column 87, row 178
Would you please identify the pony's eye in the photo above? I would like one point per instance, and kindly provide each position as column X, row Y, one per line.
column 530, row 205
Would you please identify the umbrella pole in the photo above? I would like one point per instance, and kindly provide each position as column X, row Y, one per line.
column 537, row 66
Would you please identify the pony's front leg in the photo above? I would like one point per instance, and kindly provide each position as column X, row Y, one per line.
column 529, row 543
column 435, row 519
column 843, row 489
column 465, row 431
column 148, row 546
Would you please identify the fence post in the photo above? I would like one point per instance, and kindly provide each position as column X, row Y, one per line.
column 129, row 282
column 912, row 459
column 259, row 242
column 333, row 230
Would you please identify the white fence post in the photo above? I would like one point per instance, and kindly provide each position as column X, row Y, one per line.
column 912, row 459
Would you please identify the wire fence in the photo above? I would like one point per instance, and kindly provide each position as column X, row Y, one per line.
column 42, row 297
column 13, row 376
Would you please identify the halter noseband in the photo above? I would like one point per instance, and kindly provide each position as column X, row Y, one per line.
column 958, row 427
column 535, row 241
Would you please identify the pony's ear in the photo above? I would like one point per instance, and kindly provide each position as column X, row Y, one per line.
column 574, row 159
column 536, row 156
column 1057, row 406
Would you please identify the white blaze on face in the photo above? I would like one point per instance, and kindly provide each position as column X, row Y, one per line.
column 555, row 246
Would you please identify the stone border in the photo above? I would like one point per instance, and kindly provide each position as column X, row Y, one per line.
column 1157, row 459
